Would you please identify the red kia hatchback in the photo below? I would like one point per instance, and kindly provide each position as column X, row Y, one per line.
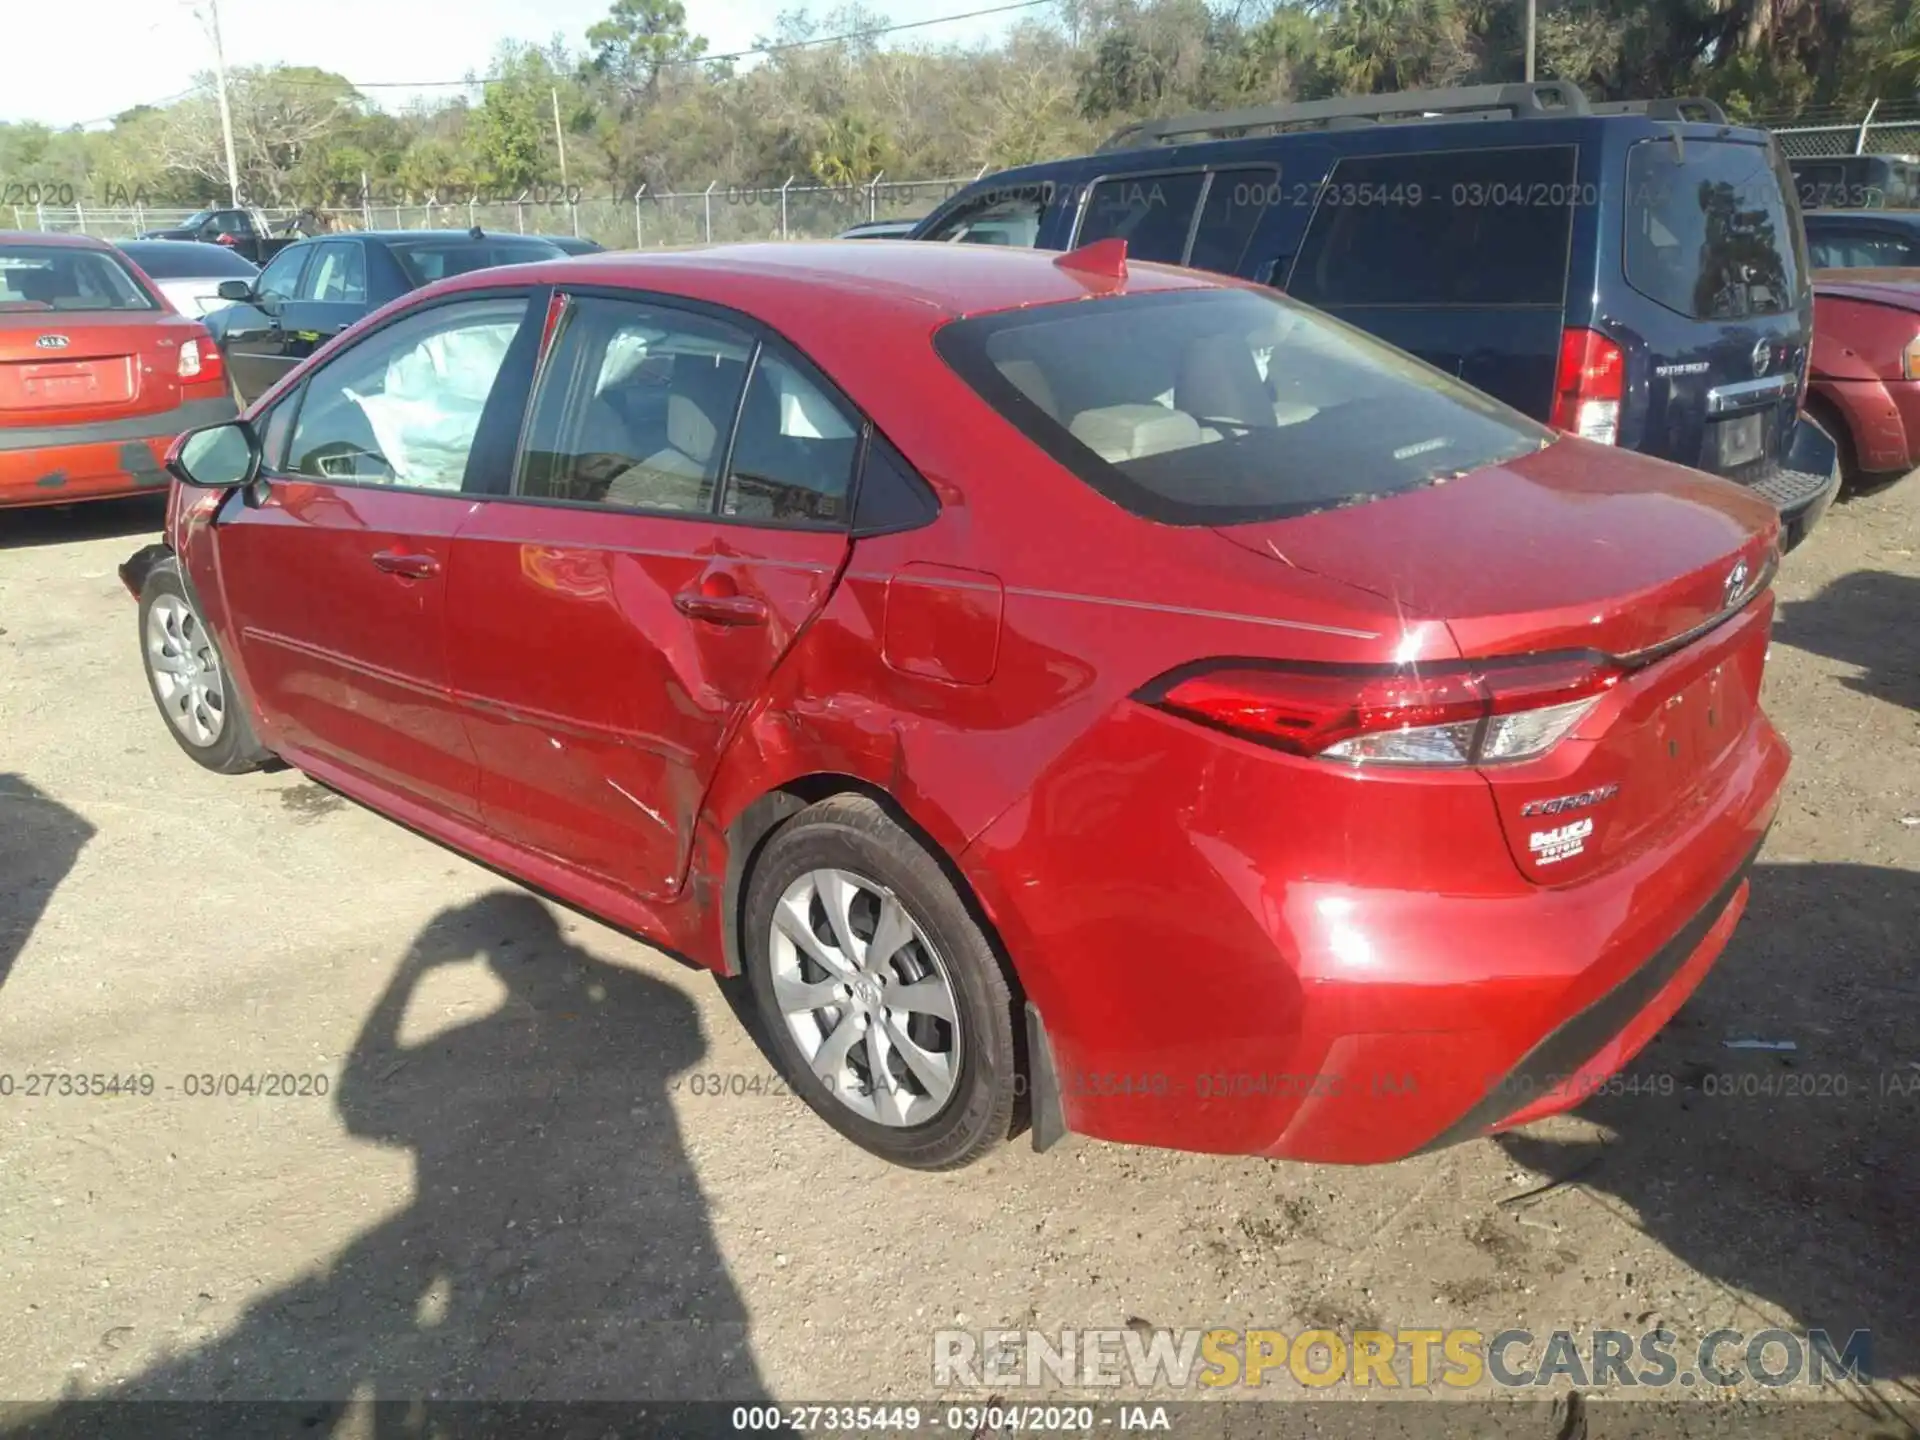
column 98, row 373
column 1128, row 702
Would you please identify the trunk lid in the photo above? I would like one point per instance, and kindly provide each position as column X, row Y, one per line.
column 1579, row 548
column 67, row 366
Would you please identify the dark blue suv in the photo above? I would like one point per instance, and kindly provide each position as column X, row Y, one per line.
column 1635, row 272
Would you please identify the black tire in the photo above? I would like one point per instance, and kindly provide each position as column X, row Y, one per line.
column 235, row 749
column 854, row 834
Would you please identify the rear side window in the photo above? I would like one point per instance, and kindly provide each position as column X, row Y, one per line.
column 1209, row 407
column 1152, row 213
column 1709, row 231
column 1235, row 202
column 1465, row 228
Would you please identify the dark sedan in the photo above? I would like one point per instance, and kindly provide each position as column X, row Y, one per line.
column 1862, row 239
column 316, row 288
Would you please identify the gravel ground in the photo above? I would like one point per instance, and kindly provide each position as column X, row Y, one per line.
column 521, row 1183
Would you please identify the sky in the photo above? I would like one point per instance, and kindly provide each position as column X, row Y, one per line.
column 131, row 52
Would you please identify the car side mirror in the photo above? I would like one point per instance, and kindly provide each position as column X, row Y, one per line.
column 216, row 457
column 235, row 290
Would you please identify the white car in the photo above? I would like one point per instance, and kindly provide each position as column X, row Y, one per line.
column 189, row 272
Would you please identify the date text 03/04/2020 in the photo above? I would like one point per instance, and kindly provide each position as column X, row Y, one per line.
column 970, row 1419
column 194, row 1085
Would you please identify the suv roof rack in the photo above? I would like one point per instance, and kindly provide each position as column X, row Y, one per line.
column 1468, row 102
column 1679, row 107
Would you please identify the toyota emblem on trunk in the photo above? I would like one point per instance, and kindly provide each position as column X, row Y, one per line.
column 1736, row 582
column 52, row 342
column 1762, row 357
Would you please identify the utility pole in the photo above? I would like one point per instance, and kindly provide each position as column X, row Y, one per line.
column 1529, row 75
column 560, row 139
column 226, row 110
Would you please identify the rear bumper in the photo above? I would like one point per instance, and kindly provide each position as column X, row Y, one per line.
column 59, row 464
column 1336, row 970
column 1805, row 486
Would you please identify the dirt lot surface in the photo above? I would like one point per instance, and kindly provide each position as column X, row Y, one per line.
column 526, row 1177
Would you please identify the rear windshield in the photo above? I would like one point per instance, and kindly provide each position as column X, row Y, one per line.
column 1464, row 228
column 1709, row 231
column 57, row 277
column 188, row 260
column 425, row 261
column 1210, row 407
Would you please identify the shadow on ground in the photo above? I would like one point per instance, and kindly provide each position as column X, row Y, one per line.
column 1789, row 1175
column 558, row 1245
column 1869, row 619
column 40, row 839
column 93, row 520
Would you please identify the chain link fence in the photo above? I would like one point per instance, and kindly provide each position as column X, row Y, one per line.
column 645, row 220
column 721, row 213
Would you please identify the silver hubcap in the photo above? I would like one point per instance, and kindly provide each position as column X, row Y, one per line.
column 867, row 997
column 186, row 671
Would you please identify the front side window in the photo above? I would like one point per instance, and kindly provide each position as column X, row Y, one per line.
column 635, row 406
column 281, row 279
column 401, row 408
column 66, row 278
column 338, row 275
column 1152, row 213
column 1464, row 229
column 1010, row 217
column 1212, row 407
column 1709, row 231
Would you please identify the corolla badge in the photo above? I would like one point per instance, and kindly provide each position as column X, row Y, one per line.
column 53, row 342
column 1762, row 358
column 1736, row 582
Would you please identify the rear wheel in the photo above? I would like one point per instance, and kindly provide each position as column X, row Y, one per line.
column 882, row 1001
column 189, row 678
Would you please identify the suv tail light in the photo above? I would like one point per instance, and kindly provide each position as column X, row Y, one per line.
column 199, row 360
column 1588, row 387
column 1465, row 713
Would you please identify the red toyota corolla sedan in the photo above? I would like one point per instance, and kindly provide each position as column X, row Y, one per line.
column 98, row 373
column 1128, row 702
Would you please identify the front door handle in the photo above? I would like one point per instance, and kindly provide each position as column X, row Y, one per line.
column 721, row 609
column 409, row 567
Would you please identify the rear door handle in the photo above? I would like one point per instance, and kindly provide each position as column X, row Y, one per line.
column 721, row 609
column 411, row 567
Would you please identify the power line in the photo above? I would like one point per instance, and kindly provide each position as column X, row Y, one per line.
column 703, row 59
column 146, row 105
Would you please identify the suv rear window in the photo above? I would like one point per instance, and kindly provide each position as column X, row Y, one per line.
column 1209, row 407
column 1709, row 231
column 1462, row 228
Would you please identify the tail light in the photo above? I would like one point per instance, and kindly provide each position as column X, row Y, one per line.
column 1910, row 359
column 200, row 360
column 1475, row 713
column 1588, row 387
